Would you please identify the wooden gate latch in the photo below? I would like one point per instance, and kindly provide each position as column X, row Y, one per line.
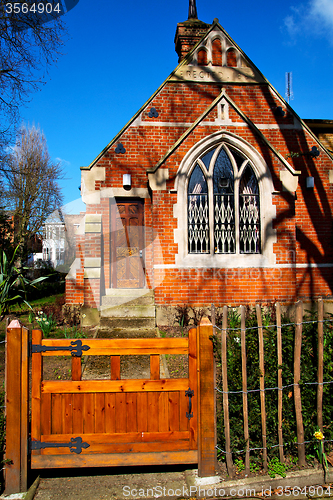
column 190, row 394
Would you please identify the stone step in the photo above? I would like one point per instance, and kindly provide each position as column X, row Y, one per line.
column 127, row 323
column 132, row 292
column 113, row 301
column 128, row 311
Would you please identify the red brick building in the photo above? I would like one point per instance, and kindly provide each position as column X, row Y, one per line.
column 214, row 192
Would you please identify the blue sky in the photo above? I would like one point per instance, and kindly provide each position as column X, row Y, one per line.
column 120, row 52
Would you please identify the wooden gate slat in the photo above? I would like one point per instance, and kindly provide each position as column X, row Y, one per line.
column 56, row 407
column 113, row 459
column 116, row 437
column 142, row 404
column 46, row 414
column 78, row 407
column 115, row 367
column 153, row 411
column 163, row 412
column 121, row 421
column 99, row 412
column 122, row 386
column 76, row 368
column 174, row 411
column 155, row 367
column 131, row 412
column 89, row 413
column 103, row 347
column 110, row 412
column 123, row 447
column 67, row 413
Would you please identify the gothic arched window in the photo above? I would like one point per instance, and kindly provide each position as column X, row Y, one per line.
column 223, row 204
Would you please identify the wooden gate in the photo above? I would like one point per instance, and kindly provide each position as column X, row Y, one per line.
column 109, row 422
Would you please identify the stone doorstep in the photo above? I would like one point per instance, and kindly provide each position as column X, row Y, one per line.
column 128, row 311
column 129, row 292
column 128, row 300
column 127, row 323
column 207, row 487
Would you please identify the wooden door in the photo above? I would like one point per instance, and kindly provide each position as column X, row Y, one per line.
column 127, row 244
column 115, row 421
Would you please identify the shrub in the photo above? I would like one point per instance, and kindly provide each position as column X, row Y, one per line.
column 309, row 366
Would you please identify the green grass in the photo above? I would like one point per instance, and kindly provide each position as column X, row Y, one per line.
column 35, row 304
column 22, row 311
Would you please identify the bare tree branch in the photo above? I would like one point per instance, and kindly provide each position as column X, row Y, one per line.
column 28, row 47
column 31, row 189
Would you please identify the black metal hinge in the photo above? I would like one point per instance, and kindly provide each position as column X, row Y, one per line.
column 75, row 347
column 190, row 394
column 75, row 445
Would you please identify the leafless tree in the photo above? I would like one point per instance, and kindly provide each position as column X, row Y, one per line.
column 31, row 189
column 29, row 43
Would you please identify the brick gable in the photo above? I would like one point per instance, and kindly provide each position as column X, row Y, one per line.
column 221, row 99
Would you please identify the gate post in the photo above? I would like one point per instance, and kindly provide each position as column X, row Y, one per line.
column 207, row 400
column 17, row 394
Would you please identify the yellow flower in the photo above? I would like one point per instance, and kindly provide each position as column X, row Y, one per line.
column 319, row 435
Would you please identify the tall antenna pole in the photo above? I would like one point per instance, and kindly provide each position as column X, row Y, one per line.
column 289, row 86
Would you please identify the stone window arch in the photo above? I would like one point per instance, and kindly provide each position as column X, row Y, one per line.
column 224, row 205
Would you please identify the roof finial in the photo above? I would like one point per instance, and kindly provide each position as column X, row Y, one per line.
column 192, row 11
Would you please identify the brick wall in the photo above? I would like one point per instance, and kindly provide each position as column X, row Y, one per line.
column 303, row 222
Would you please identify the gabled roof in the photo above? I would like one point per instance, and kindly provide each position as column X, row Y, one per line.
column 249, row 74
column 225, row 96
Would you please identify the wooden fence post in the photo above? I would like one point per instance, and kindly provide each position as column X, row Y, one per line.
column 320, row 363
column 207, row 398
column 262, row 386
column 297, row 378
column 244, row 390
column 230, row 466
column 17, row 394
column 280, row 399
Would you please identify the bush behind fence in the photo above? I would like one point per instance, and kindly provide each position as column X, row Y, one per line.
column 251, row 386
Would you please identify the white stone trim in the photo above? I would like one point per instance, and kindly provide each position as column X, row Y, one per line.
column 92, row 262
column 330, row 176
column 92, row 273
column 121, row 192
column 226, row 122
column 88, row 179
column 267, row 257
column 157, row 180
column 238, row 265
column 93, row 228
column 289, row 181
column 93, row 218
column 76, row 265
